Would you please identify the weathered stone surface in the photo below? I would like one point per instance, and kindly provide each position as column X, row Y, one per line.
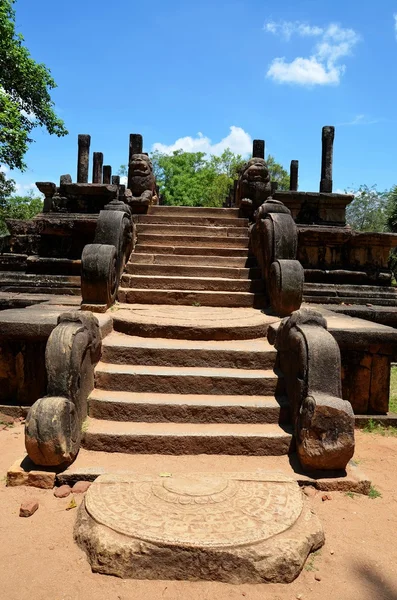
column 106, row 174
column 28, row 508
column 246, row 528
column 62, row 491
column 309, row 357
column 97, row 167
column 80, row 487
column 83, row 158
column 315, row 207
column 294, row 176
column 53, row 424
column 328, row 135
column 141, row 182
column 258, row 149
column 253, row 186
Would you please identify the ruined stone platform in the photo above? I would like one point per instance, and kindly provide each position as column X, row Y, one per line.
column 236, row 528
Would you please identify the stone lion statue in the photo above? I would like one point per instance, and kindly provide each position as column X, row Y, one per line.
column 141, row 181
column 253, row 186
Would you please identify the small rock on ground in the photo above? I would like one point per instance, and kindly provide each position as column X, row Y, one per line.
column 317, row 577
column 326, row 497
column 80, row 487
column 28, row 508
column 63, row 491
column 309, row 491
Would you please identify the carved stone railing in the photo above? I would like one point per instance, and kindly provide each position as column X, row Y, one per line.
column 102, row 263
column 309, row 359
column 54, row 423
column 274, row 241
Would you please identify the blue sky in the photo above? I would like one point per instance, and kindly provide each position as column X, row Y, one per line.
column 215, row 73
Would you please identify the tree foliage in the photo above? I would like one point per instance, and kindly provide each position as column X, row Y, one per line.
column 369, row 210
column 19, row 207
column 25, row 101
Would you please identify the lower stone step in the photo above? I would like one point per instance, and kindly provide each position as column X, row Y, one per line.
column 194, row 271
column 188, row 380
column 191, row 322
column 187, row 438
column 187, row 408
column 190, row 240
column 361, row 301
column 119, row 348
column 53, row 266
column 191, row 298
column 205, row 284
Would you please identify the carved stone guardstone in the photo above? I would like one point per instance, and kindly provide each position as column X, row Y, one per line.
column 236, row 528
column 309, row 358
column 53, row 424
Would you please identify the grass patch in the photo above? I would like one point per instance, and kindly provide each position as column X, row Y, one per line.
column 84, row 426
column 310, row 566
column 393, row 390
column 196, row 304
column 373, row 427
column 350, row 494
column 374, row 493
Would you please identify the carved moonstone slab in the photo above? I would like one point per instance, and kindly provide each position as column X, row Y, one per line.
column 239, row 527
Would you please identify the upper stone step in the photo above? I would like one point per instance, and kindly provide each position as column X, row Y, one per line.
column 193, row 211
column 191, row 260
column 187, row 438
column 215, row 241
column 119, row 348
column 176, row 270
column 191, row 250
column 191, row 322
column 196, row 231
column 187, row 219
column 187, row 408
column 188, row 380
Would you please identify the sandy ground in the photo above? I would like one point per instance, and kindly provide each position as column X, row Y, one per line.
column 39, row 560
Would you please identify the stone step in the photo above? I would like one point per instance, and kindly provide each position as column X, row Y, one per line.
column 192, row 260
column 13, row 262
column 193, row 211
column 192, row 271
column 182, row 219
column 187, row 438
column 205, row 284
column 362, row 291
column 10, row 278
column 146, row 248
column 119, row 348
column 192, row 322
column 215, row 241
column 362, row 300
column 188, row 380
column 192, row 230
column 191, row 298
column 187, row 408
column 53, row 266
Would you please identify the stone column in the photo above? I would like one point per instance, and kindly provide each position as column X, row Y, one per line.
column 115, row 179
column 106, row 174
column 274, row 185
column 97, row 167
column 293, row 175
column 83, row 158
column 258, row 149
column 326, row 159
column 136, row 147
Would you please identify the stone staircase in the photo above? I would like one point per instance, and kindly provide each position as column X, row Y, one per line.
column 189, row 379
column 192, row 256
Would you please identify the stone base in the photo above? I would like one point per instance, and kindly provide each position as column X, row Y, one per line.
column 239, row 528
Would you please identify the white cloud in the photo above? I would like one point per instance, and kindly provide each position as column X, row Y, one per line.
column 238, row 140
column 4, row 169
column 123, row 180
column 395, row 24
column 360, row 120
column 21, row 188
column 323, row 66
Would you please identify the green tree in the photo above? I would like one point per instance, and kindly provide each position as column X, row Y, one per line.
column 19, row 207
column 277, row 173
column 25, row 101
column 369, row 210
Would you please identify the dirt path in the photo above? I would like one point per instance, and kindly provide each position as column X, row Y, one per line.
column 39, row 560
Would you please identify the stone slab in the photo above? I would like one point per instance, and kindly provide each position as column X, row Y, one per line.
column 25, row 472
column 239, row 528
column 89, row 465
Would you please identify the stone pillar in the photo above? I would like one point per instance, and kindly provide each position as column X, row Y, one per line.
column 274, row 185
column 293, row 175
column 136, row 147
column 115, row 179
column 258, row 149
column 97, row 167
column 106, row 174
column 65, row 179
column 326, row 159
column 83, row 158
